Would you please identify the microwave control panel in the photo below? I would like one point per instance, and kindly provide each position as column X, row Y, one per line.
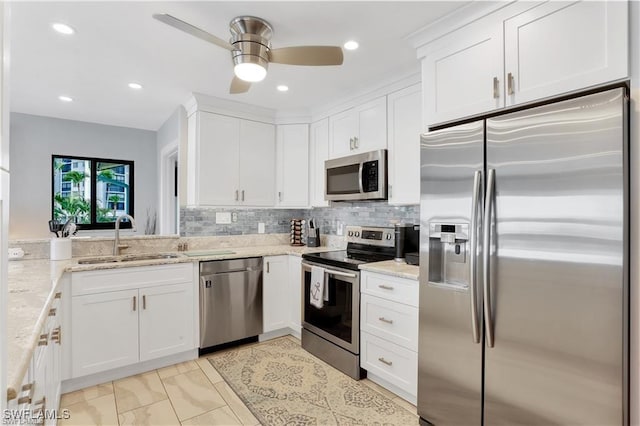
column 370, row 176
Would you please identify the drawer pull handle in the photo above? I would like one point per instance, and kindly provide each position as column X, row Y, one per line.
column 44, row 340
column 385, row 287
column 384, row 361
column 388, row 321
column 56, row 334
column 52, row 312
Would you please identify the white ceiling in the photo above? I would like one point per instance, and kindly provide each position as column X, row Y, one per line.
column 118, row 42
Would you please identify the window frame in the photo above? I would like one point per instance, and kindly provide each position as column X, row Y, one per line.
column 94, row 225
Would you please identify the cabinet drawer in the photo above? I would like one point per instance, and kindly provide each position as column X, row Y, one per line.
column 393, row 363
column 391, row 288
column 101, row 281
column 392, row 321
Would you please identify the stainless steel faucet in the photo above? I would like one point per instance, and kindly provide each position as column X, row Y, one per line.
column 116, row 243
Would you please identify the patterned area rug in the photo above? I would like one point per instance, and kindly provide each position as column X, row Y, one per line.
column 282, row 384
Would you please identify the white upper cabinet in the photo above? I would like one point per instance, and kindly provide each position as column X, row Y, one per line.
column 257, row 163
column 217, row 160
column 405, row 111
column 558, row 47
column 292, row 165
column 523, row 52
column 231, row 161
column 464, row 76
column 319, row 154
column 359, row 129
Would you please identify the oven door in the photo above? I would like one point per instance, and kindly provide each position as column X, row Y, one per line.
column 338, row 321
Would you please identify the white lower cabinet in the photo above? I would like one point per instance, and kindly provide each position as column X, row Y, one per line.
column 275, row 307
column 39, row 394
column 148, row 315
column 389, row 332
column 295, row 293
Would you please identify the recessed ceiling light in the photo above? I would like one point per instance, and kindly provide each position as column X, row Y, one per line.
column 351, row 45
column 63, row 28
column 65, row 98
column 282, row 88
column 136, row 86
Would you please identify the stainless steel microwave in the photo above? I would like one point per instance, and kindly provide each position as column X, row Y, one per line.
column 356, row 177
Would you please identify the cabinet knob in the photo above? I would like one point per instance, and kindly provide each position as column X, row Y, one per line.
column 243, row 195
column 134, row 303
column 496, row 88
column 236, row 195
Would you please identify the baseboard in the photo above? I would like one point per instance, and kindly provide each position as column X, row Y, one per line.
column 130, row 370
column 392, row 388
column 274, row 334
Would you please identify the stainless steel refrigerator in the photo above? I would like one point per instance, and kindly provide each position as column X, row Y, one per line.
column 524, row 267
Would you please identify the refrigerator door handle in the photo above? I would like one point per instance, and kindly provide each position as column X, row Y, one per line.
column 486, row 247
column 473, row 243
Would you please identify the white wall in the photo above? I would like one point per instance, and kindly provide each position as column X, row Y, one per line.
column 34, row 139
column 634, row 162
column 172, row 134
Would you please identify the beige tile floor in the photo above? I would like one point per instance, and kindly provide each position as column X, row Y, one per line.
column 189, row 393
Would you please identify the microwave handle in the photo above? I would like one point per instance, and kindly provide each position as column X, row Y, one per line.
column 360, row 185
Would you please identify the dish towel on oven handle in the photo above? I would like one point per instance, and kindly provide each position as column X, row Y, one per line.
column 318, row 290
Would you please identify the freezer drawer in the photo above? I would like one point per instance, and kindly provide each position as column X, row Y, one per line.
column 230, row 301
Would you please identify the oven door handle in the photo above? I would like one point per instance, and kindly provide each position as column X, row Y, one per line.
column 340, row 274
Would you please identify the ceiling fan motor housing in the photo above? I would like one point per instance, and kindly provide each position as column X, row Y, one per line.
column 250, row 38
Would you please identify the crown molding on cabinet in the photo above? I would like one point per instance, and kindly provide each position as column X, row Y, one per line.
column 389, row 86
column 453, row 22
column 301, row 116
column 201, row 102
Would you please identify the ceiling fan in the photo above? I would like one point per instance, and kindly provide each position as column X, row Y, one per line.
column 251, row 50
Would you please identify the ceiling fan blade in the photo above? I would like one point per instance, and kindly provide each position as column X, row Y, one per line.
column 307, row 55
column 239, row 86
column 193, row 30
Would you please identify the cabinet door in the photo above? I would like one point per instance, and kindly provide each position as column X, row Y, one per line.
column 166, row 320
column 343, row 127
column 372, row 125
column 104, row 331
column 405, row 112
column 295, row 292
column 293, row 165
column 275, row 297
column 558, row 47
column 459, row 78
column 319, row 154
column 257, row 163
column 217, row 159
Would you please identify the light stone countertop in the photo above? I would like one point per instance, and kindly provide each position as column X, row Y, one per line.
column 391, row 267
column 33, row 284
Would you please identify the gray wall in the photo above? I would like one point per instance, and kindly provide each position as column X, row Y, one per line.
column 34, row 139
column 197, row 222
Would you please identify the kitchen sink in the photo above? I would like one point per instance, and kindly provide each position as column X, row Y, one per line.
column 127, row 258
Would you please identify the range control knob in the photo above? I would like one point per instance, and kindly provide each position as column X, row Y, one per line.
column 388, row 236
column 350, row 233
column 357, row 233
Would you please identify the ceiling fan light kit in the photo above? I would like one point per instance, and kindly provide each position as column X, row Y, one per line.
column 251, row 51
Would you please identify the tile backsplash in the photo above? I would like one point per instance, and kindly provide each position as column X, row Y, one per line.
column 196, row 222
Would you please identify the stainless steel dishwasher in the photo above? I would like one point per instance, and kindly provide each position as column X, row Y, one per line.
column 230, row 300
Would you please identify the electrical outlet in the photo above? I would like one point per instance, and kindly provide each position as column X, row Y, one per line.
column 223, row 217
column 234, row 217
column 340, row 228
column 16, row 253
column 260, row 227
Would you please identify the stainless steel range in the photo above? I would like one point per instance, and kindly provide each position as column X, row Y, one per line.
column 331, row 322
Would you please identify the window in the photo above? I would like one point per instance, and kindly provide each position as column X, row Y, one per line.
column 93, row 192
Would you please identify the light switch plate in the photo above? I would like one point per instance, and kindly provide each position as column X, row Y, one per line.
column 223, row 217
